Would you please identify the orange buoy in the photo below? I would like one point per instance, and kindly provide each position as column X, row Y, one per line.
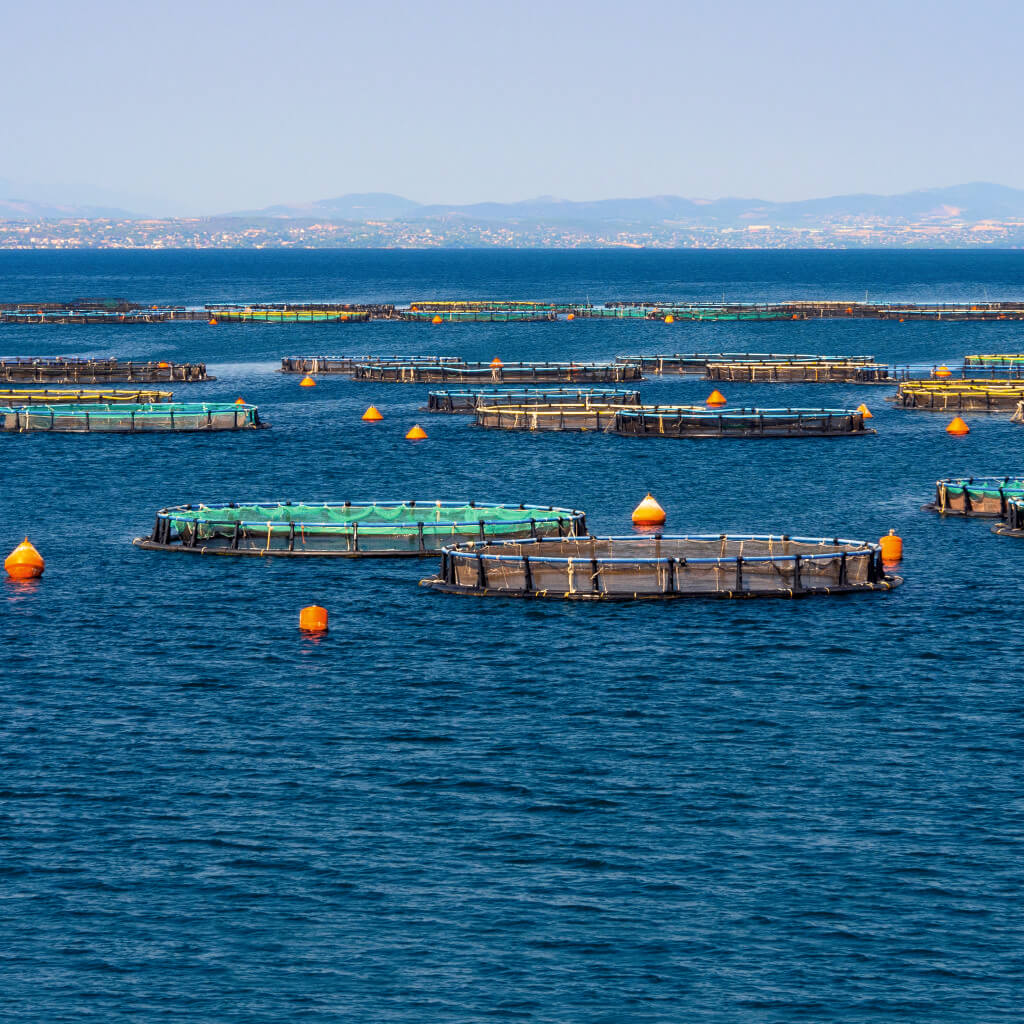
column 902, row 319
column 571, row 316
column 796, row 316
column 865, row 411
column 892, row 547
column 715, row 398
column 417, row 433
column 163, row 366
column 239, row 401
column 670, row 319
column 212, row 321
column 648, row 512
column 313, row 619
column 943, row 371
column 496, row 362
column 307, row 382
column 372, row 415
column 957, row 426
column 24, row 562
column 437, row 320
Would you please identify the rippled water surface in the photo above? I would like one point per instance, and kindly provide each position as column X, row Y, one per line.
column 453, row 809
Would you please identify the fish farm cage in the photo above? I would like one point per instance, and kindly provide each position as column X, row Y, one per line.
column 812, row 372
column 162, row 418
column 697, row 422
column 1011, row 364
column 348, row 364
column 1013, row 519
column 556, row 416
column 980, row 496
column 350, row 529
column 98, row 371
column 289, row 316
column 91, row 316
column 468, row 401
column 507, row 373
column 31, row 396
column 960, row 395
column 662, row 567
column 696, row 363
column 477, row 316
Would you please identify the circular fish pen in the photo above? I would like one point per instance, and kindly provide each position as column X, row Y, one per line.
column 1013, row 519
column 662, row 567
column 979, row 496
column 697, row 422
column 350, row 529
column 163, row 418
column 98, row 371
column 1009, row 363
column 499, row 373
column 468, row 401
column 347, row 364
column 696, row 363
column 557, row 416
column 960, row 395
column 19, row 397
column 822, row 371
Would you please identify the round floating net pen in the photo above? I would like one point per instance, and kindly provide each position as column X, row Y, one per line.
column 662, row 567
column 824, row 371
column 467, row 401
column 503, row 373
column 698, row 422
column 162, row 418
column 347, row 364
column 350, row 529
column 98, row 371
column 1013, row 519
column 15, row 397
column 960, row 395
column 982, row 496
column 1012, row 363
column 559, row 416
column 696, row 363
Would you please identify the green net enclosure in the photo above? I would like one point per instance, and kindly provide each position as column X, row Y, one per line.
column 1013, row 519
column 350, row 529
column 15, row 397
column 660, row 567
column 985, row 496
column 467, row 401
column 696, row 363
column 97, row 371
column 228, row 315
column 698, row 422
column 822, row 371
column 1010, row 363
column 347, row 364
column 965, row 395
column 162, row 418
column 500, row 373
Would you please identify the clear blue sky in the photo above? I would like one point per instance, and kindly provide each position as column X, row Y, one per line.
column 215, row 106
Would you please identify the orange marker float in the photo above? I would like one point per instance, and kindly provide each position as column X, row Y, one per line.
column 24, row 562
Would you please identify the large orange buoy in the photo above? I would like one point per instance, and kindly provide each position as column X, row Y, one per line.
column 437, row 320
column 715, row 398
column 670, row 319
column 648, row 512
column 417, row 433
column 865, row 411
column 313, row 619
column 892, row 547
column 239, row 401
column 496, row 362
column 212, row 321
column 372, row 415
column 24, row 562
column 307, row 382
column 943, row 371
column 957, row 426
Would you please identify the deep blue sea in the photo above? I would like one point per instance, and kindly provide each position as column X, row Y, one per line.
column 457, row 810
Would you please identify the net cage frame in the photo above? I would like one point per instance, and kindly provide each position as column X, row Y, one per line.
column 254, row 315
column 696, row 363
column 565, row 417
column 99, row 371
column 1012, row 524
column 466, row 402
column 155, row 418
column 698, row 423
column 960, row 395
column 17, row 397
column 178, row 528
column 996, row 361
column 812, row 372
column 597, row 569
column 510, row 373
column 978, row 497
column 347, row 364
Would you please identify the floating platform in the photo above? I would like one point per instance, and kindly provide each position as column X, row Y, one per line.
column 979, row 496
column 348, row 364
column 30, row 396
column 350, row 529
column 561, row 416
column 468, row 401
column 505, row 373
column 98, row 371
column 476, row 316
column 289, row 316
column 696, row 363
column 698, row 422
column 662, row 567
column 813, row 372
column 126, row 418
column 960, row 395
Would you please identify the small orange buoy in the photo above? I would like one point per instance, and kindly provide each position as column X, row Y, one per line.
column 372, row 415
column 865, row 411
column 958, row 427
column 796, row 316
column 943, row 371
column 715, row 398
column 163, row 366
column 892, row 547
column 496, row 362
column 24, row 562
column 571, row 316
column 212, row 321
column 417, row 433
column 648, row 512
column 313, row 619
column 239, row 401
column 902, row 319
column 437, row 320
column 670, row 319
column 307, row 382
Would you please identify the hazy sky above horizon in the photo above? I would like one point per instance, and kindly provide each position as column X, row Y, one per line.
column 207, row 107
